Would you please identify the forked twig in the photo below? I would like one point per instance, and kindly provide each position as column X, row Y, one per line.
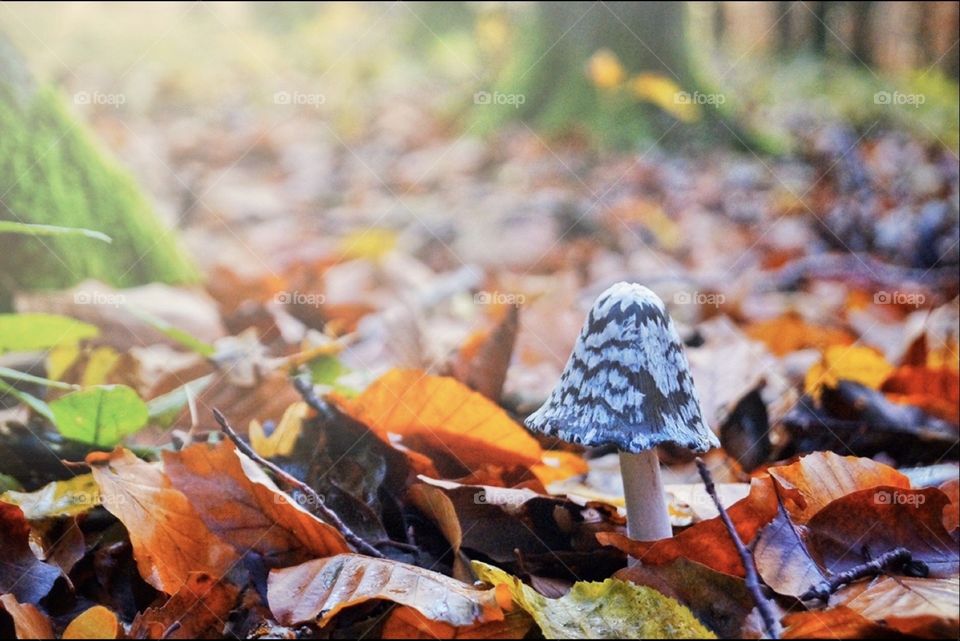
column 770, row 621
column 291, row 481
column 894, row 559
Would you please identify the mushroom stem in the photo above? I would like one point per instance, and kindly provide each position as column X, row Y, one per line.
column 647, row 515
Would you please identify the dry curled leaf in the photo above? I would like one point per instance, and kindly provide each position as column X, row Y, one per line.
column 170, row 539
column 28, row 621
column 319, row 589
column 94, row 623
column 407, row 623
column 199, row 609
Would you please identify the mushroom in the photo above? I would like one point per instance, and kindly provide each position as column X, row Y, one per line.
column 627, row 383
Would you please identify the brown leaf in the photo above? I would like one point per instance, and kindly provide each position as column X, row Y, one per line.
column 782, row 558
column 445, row 414
column 720, row 601
column 169, row 538
column 438, row 507
column 836, row 623
column 28, row 621
column 952, row 490
column 936, row 391
column 243, row 507
column 482, row 362
column 200, row 607
column 407, row 623
column 882, row 519
column 323, row 587
column 22, row 574
column 94, row 623
column 707, row 542
column 916, row 607
column 819, row 478
column 790, row 333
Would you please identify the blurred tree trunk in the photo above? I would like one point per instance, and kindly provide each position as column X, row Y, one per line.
column 548, row 75
column 52, row 172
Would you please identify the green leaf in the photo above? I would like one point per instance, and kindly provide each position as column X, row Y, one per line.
column 612, row 609
column 29, row 400
column 71, row 497
column 100, row 416
column 29, row 229
column 29, row 332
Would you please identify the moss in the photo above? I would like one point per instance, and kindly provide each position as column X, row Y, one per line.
column 52, row 172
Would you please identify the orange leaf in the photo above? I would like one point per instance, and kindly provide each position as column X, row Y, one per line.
column 444, row 414
column 323, row 587
column 790, row 333
column 200, row 609
column 836, row 623
column 242, row 506
column 707, row 542
column 936, row 391
column 558, row 465
column 952, row 489
column 817, row 479
column 169, row 538
column 407, row 623
column 94, row 623
column 28, row 621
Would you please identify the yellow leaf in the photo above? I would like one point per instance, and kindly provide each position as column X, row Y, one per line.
column 284, row 436
column 666, row 94
column 558, row 466
column 101, row 362
column 856, row 363
column 95, row 623
column 605, row 70
column 445, row 415
column 60, row 358
column 371, row 244
column 60, row 498
column 613, row 609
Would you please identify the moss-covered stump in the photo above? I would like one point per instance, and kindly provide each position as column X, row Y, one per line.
column 52, row 172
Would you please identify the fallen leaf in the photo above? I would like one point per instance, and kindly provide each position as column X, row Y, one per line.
column 815, row 480
column 856, row 363
column 404, row 622
column 557, row 465
column 201, row 608
column 612, row 609
column 22, row 574
column 790, row 333
column 169, row 538
column 482, row 362
column 445, row 414
column 71, row 497
column 94, row 623
column 916, row 607
column 33, row 332
column 950, row 518
column 782, row 558
column 28, row 621
column 835, row 623
column 936, row 391
column 666, row 94
column 323, row 587
column 241, row 506
column 101, row 416
column 708, row 542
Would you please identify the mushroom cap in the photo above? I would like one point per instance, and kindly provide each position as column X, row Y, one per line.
column 627, row 381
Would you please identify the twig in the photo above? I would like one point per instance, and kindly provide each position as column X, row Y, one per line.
column 305, row 388
column 894, row 559
column 770, row 621
column 321, row 508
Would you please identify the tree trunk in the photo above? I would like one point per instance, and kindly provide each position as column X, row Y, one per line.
column 51, row 172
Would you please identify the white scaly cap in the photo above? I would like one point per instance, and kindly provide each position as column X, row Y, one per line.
column 627, row 381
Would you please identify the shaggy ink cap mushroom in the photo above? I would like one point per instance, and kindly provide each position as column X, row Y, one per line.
column 627, row 381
